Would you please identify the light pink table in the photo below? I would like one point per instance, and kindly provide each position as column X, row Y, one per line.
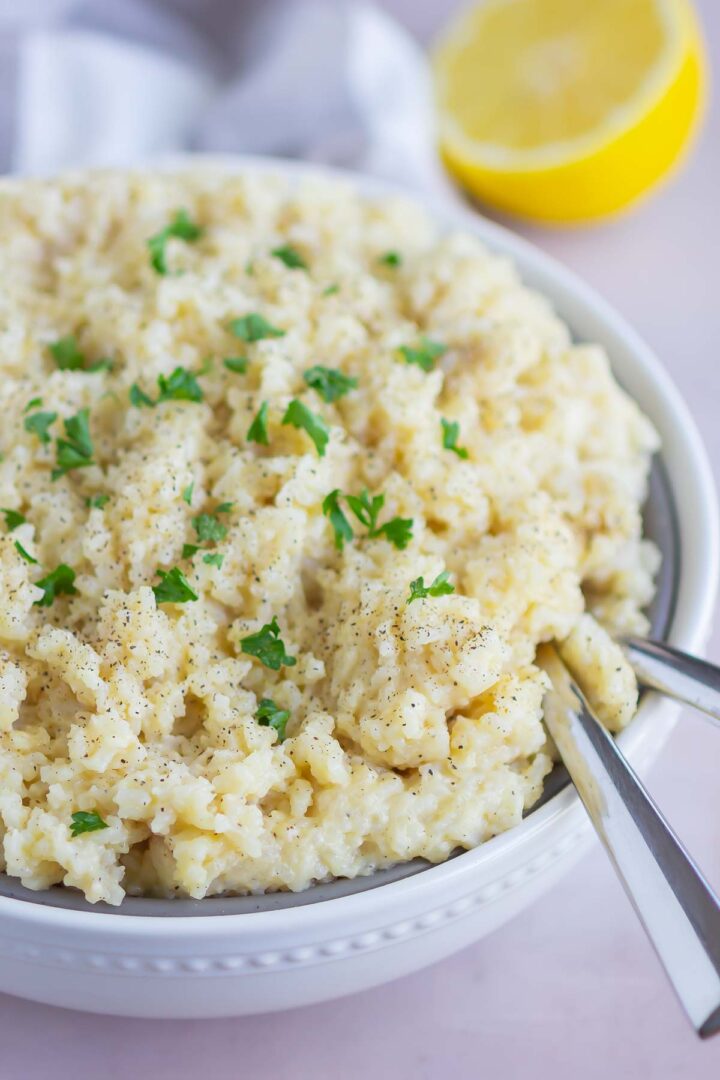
column 570, row 989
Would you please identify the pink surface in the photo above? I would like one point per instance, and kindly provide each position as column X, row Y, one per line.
column 570, row 988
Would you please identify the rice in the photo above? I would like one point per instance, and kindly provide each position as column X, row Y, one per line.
column 272, row 709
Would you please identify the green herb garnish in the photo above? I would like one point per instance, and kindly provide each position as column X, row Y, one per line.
column 238, row 364
column 188, row 550
column 25, row 554
column 139, row 398
column 440, row 587
column 174, row 588
column 86, row 821
column 330, row 383
column 75, row 451
column 331, row 290
column 214, row 558
column 366, row 509
column 38, row 424
column 96, row 502
column 451, row 431
column 104, row 364
column 425, row 354
column 303, row 418
column 33, row 403
column 257, row 432
column 181, row 385
column 66, row 354
column 224, row 508
column 268, row 647
column 341, row 527
column 290, row 256
column 59, row 582
column 208, row 527
column 391, row 258
column 182, row 228
column 270, row 715
column 188, row 492
column 254, row 327
column 13, row 518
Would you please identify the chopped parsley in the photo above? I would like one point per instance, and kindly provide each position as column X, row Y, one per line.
column 366, row 509
column 75, row 451
column 103, row 364
column 189, row 550
column 33, row 403
column 340, row 525
column 25, row 554
column 224, row 508
column 238, row 364
column 174, row 587
column 440, row 587
column 290, row 256
column 257, row 432
column 330, row 383
column 66, row 354
column 206, row 367
column 270, row 715
column 96, row 502
column 60, row 581
column 424, row 354
column 188, row 492
column 208, row 527
column 13, row 518
column 214, row 558
column 451, row 431
column 86, row 821
column 304, row 419
column 38, row 424
column 391, row 258
column 181, row 385
column 254, row 327
column 268, row 647
column 331, row 290
column 182, row 228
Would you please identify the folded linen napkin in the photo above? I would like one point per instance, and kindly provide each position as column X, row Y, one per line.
column 93, row 83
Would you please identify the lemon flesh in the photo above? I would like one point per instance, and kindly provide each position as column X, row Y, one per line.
column 565, row 111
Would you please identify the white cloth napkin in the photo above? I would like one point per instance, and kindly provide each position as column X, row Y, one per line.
column 113, row 82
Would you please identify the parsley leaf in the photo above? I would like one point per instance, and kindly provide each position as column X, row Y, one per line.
column 391, row 258
column 174, row 588
column 303, row 418
column 13, row 518
column 182, row 228
column 86, row 821
column 238, row 364
column 214, row 558
column 331, row 290
column 425, row 354
column 290, row 256
column 340, row 524
column 257, row 432
column 139, row 398
column 268, row 647
column 365, row 509
column 38, row 424
column 59, row 581
column 440, row 587
column 224, row 508
column 254, row 327
column 187, row 493
column 76, row 451
column 398, row 531
column 25, row 554
column 188, row 550
column 330, row 383
column 104, row 364
column 451, row 430
column 33, row 403
column 270, row 715
column 180, row 386
column 97, row 501
column 66, row 354
column 208, row 527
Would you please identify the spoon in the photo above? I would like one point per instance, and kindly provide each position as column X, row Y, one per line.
column 675, row 674
column 677, row 907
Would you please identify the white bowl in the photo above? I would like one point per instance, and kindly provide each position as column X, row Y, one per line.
column 233, row 957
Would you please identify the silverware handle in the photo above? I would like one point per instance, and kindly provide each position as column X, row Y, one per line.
column 677, row 674
column 677, row 907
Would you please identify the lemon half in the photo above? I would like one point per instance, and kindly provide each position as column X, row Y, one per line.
column 568, row 110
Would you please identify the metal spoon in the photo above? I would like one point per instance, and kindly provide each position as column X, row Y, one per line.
column 677, row 907
column 676, row 674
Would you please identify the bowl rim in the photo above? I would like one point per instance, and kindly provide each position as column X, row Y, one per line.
column 690, row 623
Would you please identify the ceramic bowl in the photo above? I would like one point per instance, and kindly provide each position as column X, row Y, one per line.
column 234, row 956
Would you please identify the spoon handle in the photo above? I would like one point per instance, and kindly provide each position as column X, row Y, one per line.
column 677, row 674
column 677, row 907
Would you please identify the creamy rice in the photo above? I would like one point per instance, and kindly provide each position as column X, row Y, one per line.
column 414, row 727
